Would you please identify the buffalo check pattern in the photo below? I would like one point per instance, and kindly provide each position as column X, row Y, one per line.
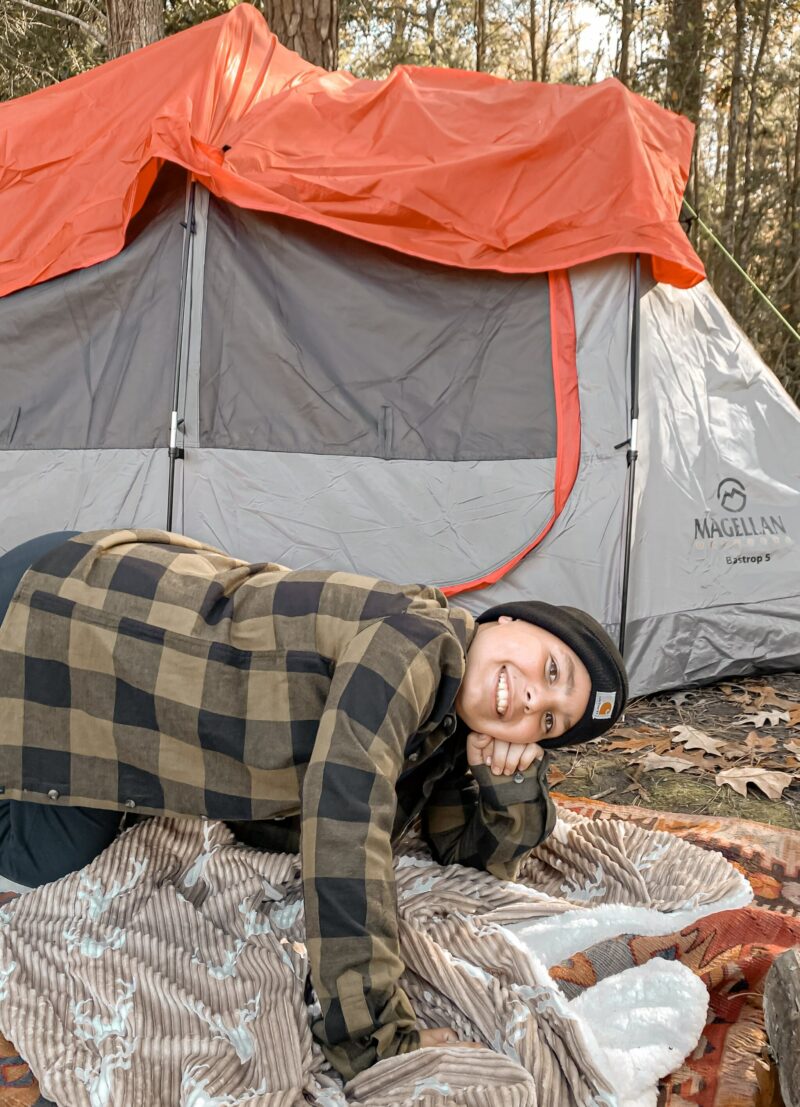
column 142, row 669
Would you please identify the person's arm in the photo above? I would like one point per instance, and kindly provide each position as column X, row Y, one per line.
column 382, row 689
column 488, row 821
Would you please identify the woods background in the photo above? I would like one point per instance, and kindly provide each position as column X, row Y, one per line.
column 731, row 66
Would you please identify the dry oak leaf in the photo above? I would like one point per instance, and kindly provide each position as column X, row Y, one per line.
column 737, row 697
column 772, row 784
column 632, row 731
column 757, row 744
column 793, row 747
column 767, row 695
column 631, row 743
column 656, row 761
column 692, row 739
column 555, row 775
column 763, row 718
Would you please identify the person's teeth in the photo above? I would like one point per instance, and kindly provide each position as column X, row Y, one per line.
column 502, row 693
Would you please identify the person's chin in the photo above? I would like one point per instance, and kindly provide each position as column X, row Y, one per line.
column 474, row 723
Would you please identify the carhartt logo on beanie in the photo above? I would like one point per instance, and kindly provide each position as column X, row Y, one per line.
column 596, row 650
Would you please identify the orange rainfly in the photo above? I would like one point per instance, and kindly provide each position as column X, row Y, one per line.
column 457, row 167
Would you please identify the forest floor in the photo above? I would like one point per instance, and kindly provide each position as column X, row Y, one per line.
column 731, row 748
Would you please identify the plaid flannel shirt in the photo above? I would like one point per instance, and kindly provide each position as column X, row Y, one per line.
column 141, row 669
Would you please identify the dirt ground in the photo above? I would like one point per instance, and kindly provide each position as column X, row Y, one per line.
column 669, row 750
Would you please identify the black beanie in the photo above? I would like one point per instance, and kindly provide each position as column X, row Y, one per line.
column 596, row 650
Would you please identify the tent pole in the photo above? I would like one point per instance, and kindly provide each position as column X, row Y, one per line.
column 175, row 451
column 633, row 452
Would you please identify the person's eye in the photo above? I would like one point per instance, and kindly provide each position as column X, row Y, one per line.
column 549, row 721
column 552, row 670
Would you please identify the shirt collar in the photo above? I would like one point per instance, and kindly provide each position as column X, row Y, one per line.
column 464, row 625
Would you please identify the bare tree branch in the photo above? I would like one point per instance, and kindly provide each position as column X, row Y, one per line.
column 63, row 15
column 94, row 8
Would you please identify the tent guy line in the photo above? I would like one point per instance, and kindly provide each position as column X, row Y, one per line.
column 743, row 271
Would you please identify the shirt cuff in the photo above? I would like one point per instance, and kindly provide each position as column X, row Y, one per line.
column 523, row 786
column 396, row 1034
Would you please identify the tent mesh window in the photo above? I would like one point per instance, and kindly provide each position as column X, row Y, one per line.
column 314, row 342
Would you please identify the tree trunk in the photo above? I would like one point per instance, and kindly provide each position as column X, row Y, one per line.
column 480, row 35
column 734, row 124
column 684, row 93
column 532, row 32
column 431, row 11
column 744, row 232
column 133, row 23
column 625, row 41
column 685, row 58
column 549, row 16
column 398, row 51
column 309, row 27
column 782, row 1021
column 794, row 223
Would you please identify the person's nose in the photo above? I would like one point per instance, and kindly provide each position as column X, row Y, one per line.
column 531, row 697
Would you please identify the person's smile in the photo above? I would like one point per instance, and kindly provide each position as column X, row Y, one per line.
column 502, row 694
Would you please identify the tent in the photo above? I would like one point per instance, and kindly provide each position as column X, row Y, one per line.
column 442, row 327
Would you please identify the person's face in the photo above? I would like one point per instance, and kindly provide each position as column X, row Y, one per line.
column 521, row 683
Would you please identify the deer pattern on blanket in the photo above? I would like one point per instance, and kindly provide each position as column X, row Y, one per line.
column 180, row 929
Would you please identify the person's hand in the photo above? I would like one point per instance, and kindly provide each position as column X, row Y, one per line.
column 504, row 758
column 444, row 1036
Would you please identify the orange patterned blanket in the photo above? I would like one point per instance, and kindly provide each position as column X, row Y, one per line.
column 731, row 952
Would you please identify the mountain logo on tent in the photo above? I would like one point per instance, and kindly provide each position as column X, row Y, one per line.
column 731, row 494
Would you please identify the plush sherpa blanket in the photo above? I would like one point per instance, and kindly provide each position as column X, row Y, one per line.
column 171, row 971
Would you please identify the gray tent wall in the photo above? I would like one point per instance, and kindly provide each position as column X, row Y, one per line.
column 351, row 408
column 86, row 369
column 715, row 586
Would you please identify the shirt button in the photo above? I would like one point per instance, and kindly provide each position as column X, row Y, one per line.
column 130, row 803
column 518, row 777
column 413, row 756
column 53, row 794
column 449, row 725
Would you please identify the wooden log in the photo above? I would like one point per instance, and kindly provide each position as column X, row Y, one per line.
column 782, row 1021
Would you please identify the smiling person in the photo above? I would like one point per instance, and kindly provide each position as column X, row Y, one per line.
column 321, row 712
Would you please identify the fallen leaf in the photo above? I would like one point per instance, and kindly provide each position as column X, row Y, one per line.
column 656, row 761
column 679, row 698
column 636, row 786
column 794, row 717
column 630, row 743
column 763, row 718
column 632, row 731
column 772, row 784
column 793, row 747
column 756, row 743
column 737, row 697
column 692, row 739
column 555, row 775
column 769, row 696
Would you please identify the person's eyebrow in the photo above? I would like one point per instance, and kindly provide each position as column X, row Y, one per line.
column 567, row 719
column 570, row 675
